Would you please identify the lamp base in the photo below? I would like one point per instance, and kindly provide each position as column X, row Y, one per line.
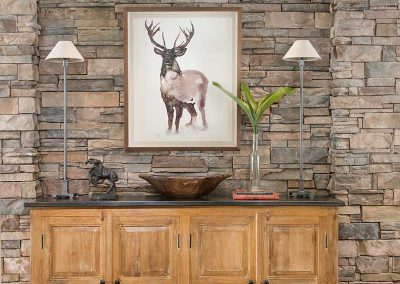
column 65, row 196
column 301, row 194
column 65, row 187
column 65, row 192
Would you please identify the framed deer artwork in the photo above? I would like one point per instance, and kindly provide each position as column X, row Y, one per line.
column 172, row 55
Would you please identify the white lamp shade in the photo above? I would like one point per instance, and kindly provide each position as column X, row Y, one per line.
column 64, row 50
column 301, row 49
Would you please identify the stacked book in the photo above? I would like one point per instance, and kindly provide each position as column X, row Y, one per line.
column 241, row 194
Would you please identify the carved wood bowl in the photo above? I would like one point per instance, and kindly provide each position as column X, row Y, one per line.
column 184, row 186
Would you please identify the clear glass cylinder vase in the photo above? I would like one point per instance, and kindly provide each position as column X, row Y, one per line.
column 254, row 182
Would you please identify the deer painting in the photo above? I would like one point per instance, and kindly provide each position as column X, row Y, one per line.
column 179, row 89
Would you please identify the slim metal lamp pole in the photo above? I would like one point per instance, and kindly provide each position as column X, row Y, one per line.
column 65, row 179
column 65, row 52
column 301, row 181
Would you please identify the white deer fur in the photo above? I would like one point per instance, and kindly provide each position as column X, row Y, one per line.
column 189, row 87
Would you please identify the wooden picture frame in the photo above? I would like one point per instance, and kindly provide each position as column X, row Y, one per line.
column 164, row 76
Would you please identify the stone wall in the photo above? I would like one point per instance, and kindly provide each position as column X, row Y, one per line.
column 19, row 136
column 96, row 101
column 351, row 123
column 96, row 96
column 365, row 138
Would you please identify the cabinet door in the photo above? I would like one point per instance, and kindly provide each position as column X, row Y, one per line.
column 145, row 249
column 73, row 250
column 293, row 249
column 223, row 249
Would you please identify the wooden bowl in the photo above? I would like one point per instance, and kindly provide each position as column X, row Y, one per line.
column 184, row 186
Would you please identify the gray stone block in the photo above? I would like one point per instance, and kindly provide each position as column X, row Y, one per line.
column 359, row 231
column 291, row 155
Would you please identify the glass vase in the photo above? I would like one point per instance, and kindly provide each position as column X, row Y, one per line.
column 254, row 182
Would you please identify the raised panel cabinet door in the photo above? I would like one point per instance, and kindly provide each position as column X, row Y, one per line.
column 222, row 249
column 145, row 249
column 294, row 249
column 74, row 250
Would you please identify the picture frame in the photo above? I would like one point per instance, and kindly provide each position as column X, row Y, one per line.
column 172, row 56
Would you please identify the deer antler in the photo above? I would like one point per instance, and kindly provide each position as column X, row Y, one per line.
column 188, row 33
column 151, row 31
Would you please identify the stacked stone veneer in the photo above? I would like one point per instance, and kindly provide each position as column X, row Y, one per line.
column 19, row 134
column 96, row 97
column 365, row 138
column 350, row 114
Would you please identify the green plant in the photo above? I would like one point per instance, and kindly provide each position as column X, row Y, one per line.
column 252, row 107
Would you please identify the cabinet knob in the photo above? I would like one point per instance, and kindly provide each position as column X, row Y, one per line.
column 251, row 282
column 117, row 281
column 266, row 282
column 102, row 281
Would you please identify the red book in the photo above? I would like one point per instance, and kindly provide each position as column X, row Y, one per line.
column 241, row 194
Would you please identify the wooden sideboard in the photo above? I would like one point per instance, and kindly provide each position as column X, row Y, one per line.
column 190, row 244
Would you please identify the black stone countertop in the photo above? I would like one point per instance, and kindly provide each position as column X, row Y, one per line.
column 152, row 200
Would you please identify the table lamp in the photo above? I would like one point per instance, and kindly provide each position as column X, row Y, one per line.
column 65, row 52
column 301, row 51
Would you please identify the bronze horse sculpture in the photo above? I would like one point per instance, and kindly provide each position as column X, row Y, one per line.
column 97, row 175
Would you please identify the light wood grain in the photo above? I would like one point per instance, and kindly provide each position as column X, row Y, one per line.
column 145, row 249
column 223, row 249
column 74, row 250
column 294, row 247
column 184, row 251
column 285, row 245
column 36, row 247
column 331, row 252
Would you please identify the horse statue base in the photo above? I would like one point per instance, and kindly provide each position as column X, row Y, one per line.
column 104, row 196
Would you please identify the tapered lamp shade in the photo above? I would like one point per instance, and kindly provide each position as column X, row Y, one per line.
column 301, row 49
column 64, row 50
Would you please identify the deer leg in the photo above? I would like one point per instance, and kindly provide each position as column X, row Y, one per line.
column 203, row 116
column 179, row 110
column 193, row 114
column 170, row 112
column 201, row 105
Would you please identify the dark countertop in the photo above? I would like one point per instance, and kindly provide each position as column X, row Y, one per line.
column 152, row 200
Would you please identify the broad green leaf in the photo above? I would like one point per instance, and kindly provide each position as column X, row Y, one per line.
column 249, row 97
column 263, row 98
column 243, row 105
column 269, row 99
